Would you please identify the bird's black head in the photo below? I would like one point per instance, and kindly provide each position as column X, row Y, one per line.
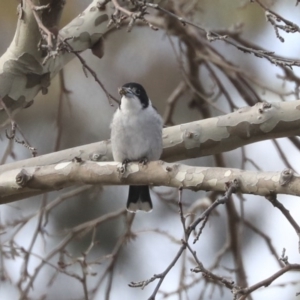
column 135, row 89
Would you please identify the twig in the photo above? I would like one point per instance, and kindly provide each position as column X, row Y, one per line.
column 139, row 15
column 171, row 102
column 83, row 228
column 273, row 199
column 109, row 271
column 63, row 92
column 85, row 67
column 243, row 293
column 182, row 217
column 8, row 151
column 213, row 36
column 189, row 80
column 160, row 276
column 67, row 46
column 207, row 274
column 273, row 17
column 14, row 127
column 24, row 270
column 267, row 240
column 49, row 35
column 282, row 154
column 232, row 188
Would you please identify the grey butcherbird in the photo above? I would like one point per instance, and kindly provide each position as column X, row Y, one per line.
column 136, row 135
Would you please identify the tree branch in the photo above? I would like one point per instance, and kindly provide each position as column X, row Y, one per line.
column 34, row 57
column 25, row 182
column 245, row 126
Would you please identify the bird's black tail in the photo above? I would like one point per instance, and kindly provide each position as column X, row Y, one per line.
column 139, row 198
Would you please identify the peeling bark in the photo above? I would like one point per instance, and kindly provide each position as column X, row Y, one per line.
column 25, row 68
column 22, row 183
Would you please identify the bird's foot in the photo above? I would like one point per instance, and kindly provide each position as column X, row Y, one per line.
column 143, row 161
column 123, row 168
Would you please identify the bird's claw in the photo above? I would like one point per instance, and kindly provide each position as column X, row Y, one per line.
column 143, row 161
column 123, row 168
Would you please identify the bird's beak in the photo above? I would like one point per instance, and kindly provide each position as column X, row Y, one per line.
column 123, row 91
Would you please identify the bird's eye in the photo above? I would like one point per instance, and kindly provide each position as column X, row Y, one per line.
column 135, row 91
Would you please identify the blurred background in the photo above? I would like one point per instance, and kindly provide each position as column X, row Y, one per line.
column 148, row 57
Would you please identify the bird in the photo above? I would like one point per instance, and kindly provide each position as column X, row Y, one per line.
column 136, row 135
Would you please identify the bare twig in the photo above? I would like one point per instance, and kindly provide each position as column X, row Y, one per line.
column 273, row 199
column 14, row 127
column 267, row 240
column 171, row 102
column 232, row 188
column 273, row 18
column 209, row 275
column 64, row 93
column 214, row 36
column 73, row 233
column 46, row 34
column 243, row 293
column 134, row 16
column 65, row 45
column 282, row 154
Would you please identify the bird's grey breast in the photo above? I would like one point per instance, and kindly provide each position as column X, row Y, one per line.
column 136, row 136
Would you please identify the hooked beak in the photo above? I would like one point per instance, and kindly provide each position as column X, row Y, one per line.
column 123, row 91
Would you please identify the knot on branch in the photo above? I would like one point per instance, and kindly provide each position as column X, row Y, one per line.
column 232, row 187
column 23, row 178
column 286, row 176
column 264, row 106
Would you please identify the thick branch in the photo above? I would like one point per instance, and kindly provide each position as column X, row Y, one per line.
column 34, row 56
column 201, row 138
column 21, row 183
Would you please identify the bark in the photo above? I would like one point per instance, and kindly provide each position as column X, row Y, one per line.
column 22, row 183
column 26, row 67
